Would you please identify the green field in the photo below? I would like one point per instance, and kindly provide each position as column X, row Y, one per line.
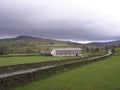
column 28, row 59
column 102, row 75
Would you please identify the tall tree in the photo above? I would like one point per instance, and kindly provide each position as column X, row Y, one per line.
column 3, row 50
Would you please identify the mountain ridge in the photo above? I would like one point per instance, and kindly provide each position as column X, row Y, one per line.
column 106, row 43
column 29, row 40
column 21, row 39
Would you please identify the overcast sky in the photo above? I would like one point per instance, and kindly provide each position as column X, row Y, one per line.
column 76, row 20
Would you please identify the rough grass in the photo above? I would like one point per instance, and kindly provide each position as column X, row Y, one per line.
column 102, row 75
column 117, row 51
column 28, row 59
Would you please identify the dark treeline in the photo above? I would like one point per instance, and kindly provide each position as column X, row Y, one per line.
column 6, row 49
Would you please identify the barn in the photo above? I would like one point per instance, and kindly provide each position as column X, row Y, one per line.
column 45, row 53
column 66, row 52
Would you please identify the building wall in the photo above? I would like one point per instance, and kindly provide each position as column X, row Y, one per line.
column 53, row 52
column 66, row 52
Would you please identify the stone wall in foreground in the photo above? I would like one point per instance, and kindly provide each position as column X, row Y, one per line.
column 12, row 81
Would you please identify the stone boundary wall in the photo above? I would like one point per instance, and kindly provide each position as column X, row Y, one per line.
column 12, row 81
column 12, row 68
column 17, row 67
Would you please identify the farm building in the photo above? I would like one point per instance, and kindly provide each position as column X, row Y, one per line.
column 66, row 52
column 45, row 53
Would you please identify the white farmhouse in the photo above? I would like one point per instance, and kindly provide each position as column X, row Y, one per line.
column 66, row 52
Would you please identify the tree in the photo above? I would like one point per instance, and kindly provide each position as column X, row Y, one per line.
column 3, row 50
column 87, row 49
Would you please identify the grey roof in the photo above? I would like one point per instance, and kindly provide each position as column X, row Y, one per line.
column 67, row 49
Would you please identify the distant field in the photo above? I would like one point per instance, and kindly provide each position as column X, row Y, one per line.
column 102, row 75
column 97, row 53
column 55, row 45
column 28, row 59
column 117, row 51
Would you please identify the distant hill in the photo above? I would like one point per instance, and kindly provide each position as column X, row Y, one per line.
column 28, row 44
column 28, row 40
column 31, row 41
column 106, row 43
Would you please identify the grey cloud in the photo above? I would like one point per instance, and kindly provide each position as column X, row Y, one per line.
column 38, row 19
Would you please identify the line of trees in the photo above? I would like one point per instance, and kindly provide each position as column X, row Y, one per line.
column 3, row 50
column 92, row 50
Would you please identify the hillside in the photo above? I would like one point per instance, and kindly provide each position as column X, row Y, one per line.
column 106, row 43
column 28, row 44
column 100, row 75
column 27, row 40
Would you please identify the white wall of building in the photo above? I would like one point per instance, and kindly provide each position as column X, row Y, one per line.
column 66, row 52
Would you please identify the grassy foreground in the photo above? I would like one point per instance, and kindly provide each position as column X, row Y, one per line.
column 28, row 59
column 102, row 75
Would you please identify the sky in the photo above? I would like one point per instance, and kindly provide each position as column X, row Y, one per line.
column 75, row 20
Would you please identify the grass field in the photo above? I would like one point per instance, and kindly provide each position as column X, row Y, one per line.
column 28, row 59
column 102, row 75
column 23, row 58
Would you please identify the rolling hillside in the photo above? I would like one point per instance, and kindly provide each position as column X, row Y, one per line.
column 106, row 43
column 28, row 44
column 27, row 40
column 101, row 75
